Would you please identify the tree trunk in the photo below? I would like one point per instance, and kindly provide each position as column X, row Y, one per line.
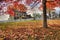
column 44, row 14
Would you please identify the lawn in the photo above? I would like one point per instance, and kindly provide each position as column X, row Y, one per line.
column 30, row 30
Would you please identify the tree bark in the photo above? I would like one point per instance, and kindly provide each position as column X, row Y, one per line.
column 44, row 14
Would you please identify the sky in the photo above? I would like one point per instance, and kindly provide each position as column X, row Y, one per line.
column 57, row 10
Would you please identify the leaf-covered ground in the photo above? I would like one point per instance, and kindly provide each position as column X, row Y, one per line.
column 30, row 30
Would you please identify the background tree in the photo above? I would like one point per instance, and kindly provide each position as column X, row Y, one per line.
column 36, row 15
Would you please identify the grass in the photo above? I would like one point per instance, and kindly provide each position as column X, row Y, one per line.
column 20, row 24
column 51, row 33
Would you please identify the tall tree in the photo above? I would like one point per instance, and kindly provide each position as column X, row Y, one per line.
column 44, row 14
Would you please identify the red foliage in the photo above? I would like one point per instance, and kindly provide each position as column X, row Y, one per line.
column 16, row 6
column 51, row 4
column 15, row 3
column 28, row 2
column 22, row 8
column 11, row 12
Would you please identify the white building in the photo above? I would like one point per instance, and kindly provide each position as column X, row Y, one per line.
column 4, row 17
